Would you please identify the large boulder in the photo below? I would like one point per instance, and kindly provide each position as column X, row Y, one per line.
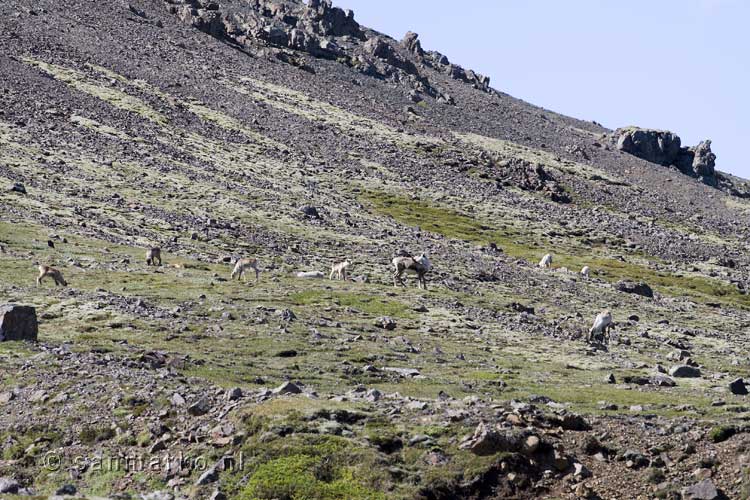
column 18, row 323
column 487, row 441
column 635, row 288
column 656, row 146
column 684, row 371
column 737, row 386
column 705, row 490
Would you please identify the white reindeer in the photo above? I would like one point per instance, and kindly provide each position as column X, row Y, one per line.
column 546, row 261
column 339, row 270
column 602, row 324
column 585, row 272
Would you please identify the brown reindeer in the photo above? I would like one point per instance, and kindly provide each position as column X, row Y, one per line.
column 55, row 274
column 339, row 270
column 408, row 264
column 242, row 265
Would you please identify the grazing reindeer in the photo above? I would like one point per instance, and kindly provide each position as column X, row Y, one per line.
column 152, row 255
column 339, row 270
column 53, row 273
column 585, row 272
column 419, row 266
column 244, row 264
column 546, row 261
column 602, row 324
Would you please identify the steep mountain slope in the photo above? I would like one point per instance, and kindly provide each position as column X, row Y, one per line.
column 204, row 128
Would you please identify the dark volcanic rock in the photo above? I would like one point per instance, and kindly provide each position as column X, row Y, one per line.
column 9, row 486
column 737, row 386
column 18, row 323
column 684, row 371
column 642, row 289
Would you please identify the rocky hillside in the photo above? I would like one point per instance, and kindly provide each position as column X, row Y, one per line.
column 289, row 132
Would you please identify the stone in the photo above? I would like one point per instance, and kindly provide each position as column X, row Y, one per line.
column 177, row 400
column 9, row 486
column 661, row 380
column 208, row 477
column 737, row 386
column 704, row 160
column 373, row 395
column 704, row 490
column 38, row 396
column 287, row 388
column 310, row 275
column 18, row 323
column 6, row 397
column 386, row 323
column 411, row 43
column 286, row 314
column 200, row 407
column 531, row 445
column 684, row 371
column 234, row 394
column 655, row 146
column 66, row 489
column 310, row 212
column 487, row 441
column 158, row 495
column 217, row 495
column 17, row 187
column 640, row 288
column 580, row 471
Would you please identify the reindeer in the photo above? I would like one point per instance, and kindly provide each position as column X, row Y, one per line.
column 152, row 255
column 419, row 266
column 546, row 261
column 585, row 272
column 244, row 264
column 602, row 324
column 339, row 270
column 53, row 273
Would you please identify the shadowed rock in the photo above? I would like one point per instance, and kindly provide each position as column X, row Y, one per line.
column 18, row 323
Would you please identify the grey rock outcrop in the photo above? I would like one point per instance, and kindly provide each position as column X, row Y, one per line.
column 665, row 148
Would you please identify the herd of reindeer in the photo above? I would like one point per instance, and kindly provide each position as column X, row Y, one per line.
column 403, row 263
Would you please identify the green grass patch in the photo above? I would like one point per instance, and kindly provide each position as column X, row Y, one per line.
column 456, row 225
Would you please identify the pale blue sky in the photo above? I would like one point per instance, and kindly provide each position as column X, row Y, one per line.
column 682, row 65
